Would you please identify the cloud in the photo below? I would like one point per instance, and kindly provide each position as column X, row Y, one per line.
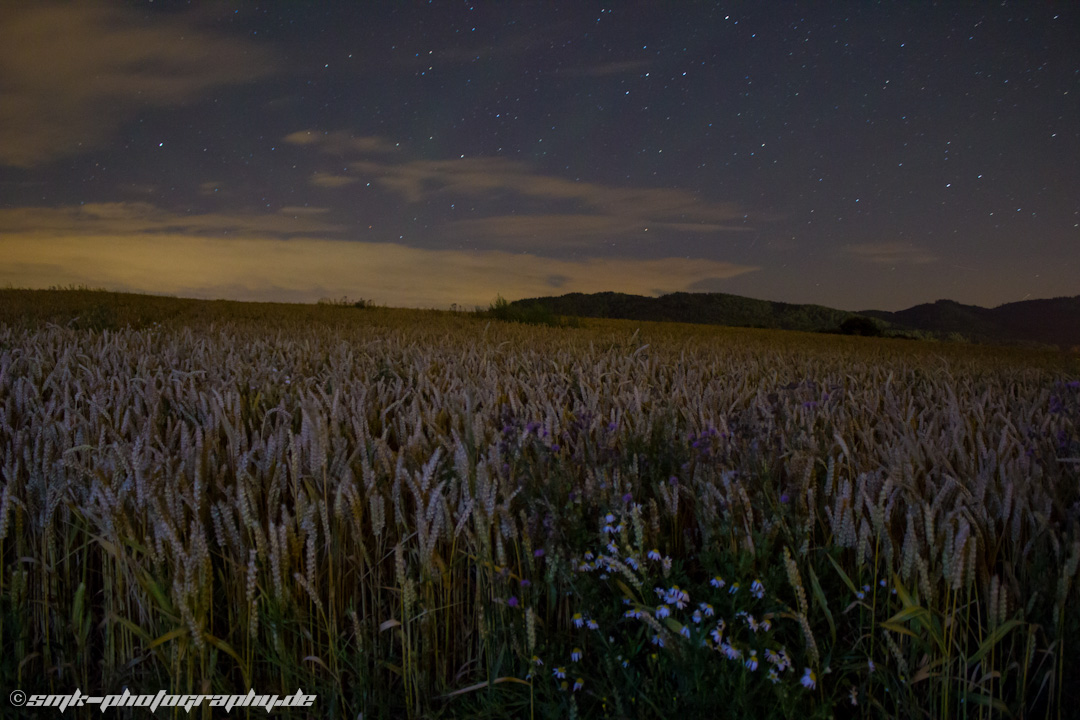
column 890, row 253
column 128, row 218
column 73, row 73
column 340, row 143
column 329, row 180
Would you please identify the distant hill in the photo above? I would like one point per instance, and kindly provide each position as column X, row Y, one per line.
column 1053, row 321
column 1050, row 322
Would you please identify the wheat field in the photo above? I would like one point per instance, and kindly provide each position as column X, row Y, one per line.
column 425, row 514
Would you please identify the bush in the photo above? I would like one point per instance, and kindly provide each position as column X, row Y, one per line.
column 859, row 325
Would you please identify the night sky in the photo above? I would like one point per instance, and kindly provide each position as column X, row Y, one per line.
column 857, row 155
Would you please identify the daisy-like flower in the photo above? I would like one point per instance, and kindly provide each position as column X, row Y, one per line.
column 751, row 662
column 766, row 623
column 809, row 679
column 773, row 676
column 717, row 634
column 685, row 631
column 578, row 619
column 632, row 562
column 654, row 554
column 589, row 556
column 733, row 589
column 707, row 609
column 757, row 589
column 578, row 684
column 665, row 563
column 592, row 624
column 575, row 655
column 609, row 529
column 559, row 672
column 658, row 641
column 860, row 595
column 609, row 518
column 696, row 617
column 717, row 582
column 731, row 652
column 662, row 612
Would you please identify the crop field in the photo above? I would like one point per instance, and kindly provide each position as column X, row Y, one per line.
column 434, row 514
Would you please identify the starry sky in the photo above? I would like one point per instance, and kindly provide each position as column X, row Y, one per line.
column 851, row 154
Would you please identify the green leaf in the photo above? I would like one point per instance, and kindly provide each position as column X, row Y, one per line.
column 843, row 575
column 819, row 595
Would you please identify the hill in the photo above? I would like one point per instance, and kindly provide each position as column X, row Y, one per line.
column 1050, row 322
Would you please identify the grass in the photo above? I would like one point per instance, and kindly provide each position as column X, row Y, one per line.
column 406, row 512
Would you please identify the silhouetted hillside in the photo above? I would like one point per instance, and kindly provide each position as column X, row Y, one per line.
column 1052, row 322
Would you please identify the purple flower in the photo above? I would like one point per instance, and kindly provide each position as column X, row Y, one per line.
column 538, row 552
column 525, row 583
column 673, row 481
column 784, row 499
column 513, row 601
column 628, row 498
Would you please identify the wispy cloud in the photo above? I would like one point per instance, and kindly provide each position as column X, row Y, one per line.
column 547, row 207
column 128, row 218
column 72, row 73
column 890, row 253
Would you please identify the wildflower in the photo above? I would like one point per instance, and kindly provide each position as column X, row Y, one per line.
column 536, row 660
column 730, row 652
column 654, row 554
column 559, row 672
column 665, row 563
column 513, row 601
column 757, row 589
column 578, row 619
column 870, row 664
column 592, row 624
column 539, row 552
column 784, row 498
column 751, row 663
column 658, row 641
column 627, row 498
column 696, row 617
column 809, row 679
column 860, row 595
column 717, row 582
column 854, row 695
column 685, row 631
column 766, row 623
column 578, row 684
column 773, row 676
column 589, row 556
column 717, row 634
column 525, row 583
column 733, row 589
column 575, row 655
column 663, row 611
column 632, row 562
column 707, row 609
column 609, row 530
column 609, row 518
